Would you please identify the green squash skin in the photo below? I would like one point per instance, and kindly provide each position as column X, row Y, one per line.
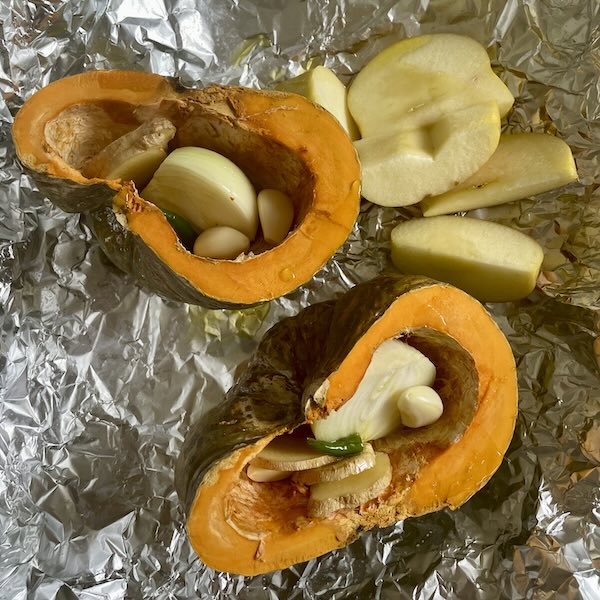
column 291, row 362
column 129, row 253
column 70, row 196
column 266, row 399
column 125, row 250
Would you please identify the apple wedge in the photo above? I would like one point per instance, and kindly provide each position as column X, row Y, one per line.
column 524, row 164
column 404, row 167
column 321, row 86
column 415, row 81
column 492, row 262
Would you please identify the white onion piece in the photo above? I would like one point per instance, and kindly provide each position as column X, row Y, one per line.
column 372, row 410
column 206, row 189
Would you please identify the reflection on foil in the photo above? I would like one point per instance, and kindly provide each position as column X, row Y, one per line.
column 99, row 380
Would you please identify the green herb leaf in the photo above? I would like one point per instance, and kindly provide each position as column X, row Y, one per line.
column 185, row 232
column 345, row 446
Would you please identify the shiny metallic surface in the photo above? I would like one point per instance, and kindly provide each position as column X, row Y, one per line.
column 99, row 380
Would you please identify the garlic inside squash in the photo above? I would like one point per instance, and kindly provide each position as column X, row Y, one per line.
column 221, row 242
column 279, row 140
column 167, row 160
column 394, row 388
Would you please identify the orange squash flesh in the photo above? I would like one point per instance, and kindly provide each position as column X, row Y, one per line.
column 280, row 140
column 428, row 474
column 135, row 88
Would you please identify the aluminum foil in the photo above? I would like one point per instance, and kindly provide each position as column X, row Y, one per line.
column 99, row 380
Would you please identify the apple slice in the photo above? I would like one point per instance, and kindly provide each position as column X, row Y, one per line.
column 524, row 164
column 321, row 86
column 492, row 262
column 415, row 81
column 402, row 168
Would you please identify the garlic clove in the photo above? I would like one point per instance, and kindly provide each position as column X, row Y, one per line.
column 221, row 243
column 419, row 405
column 276, row 214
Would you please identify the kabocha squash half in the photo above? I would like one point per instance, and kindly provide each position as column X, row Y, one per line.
column 280, row 141
column 257, row 500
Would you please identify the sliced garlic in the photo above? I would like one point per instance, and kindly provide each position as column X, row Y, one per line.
column 263, row 475
column 276, row 214
column 205, row 188
column 221, row 242
column 419, row 405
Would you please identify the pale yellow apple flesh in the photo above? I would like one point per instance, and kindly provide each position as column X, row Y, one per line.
column 492, row 262
column 321, row 86
column 402, row 168
column 524, row 164
column 415, row 81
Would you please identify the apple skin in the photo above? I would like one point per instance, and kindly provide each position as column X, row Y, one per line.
column 415, row 81
column 524, row 164
column 489, row 261
column 403, row 167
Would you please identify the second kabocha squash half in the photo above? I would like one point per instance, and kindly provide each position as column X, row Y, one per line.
column 86, row 139
column 397, row 400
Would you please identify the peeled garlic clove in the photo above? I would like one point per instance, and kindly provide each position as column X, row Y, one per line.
column 276, row 213
column 221, row 242
column 263, row 475
column 205, row 188
column 419, row 405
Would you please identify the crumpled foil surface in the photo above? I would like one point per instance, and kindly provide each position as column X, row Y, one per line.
column 99, row 380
